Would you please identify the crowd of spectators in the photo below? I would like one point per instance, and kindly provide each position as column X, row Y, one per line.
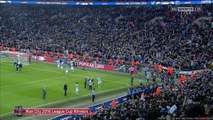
column 193, row 99
column 140, row 33
column 100, row 0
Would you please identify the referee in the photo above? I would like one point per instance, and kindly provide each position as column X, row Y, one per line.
column 44, row 91
column 93, row 95
column 65, row 89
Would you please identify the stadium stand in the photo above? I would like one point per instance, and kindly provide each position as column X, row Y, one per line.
column 147, row 34
column 101, row 0
column 161, row 35
column 179, row 101
column 183, row 101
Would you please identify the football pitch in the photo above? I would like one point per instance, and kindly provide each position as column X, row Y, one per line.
column 25, row 87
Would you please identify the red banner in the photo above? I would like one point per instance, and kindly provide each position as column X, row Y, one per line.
column 41, row 58
column 97, row 66
column 91, row 65
column 82, row 64
column 13, row 55
column 76, row 111
column 109, row 67
column 47, row 59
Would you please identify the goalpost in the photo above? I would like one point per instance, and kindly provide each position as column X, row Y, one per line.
column 8, row 56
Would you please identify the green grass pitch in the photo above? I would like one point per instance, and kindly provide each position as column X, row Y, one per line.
column 25, row 88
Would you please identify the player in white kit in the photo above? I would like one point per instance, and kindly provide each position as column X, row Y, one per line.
column 66, row 70
column 58, row 62
column 99, row 82
column 76, row 88
column 62, row 64
column 71, row 66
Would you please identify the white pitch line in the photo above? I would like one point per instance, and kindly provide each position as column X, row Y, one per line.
column 30, row 82
column 59, row 77
column 42, row 105
column 77, row 97
column 76, row 75
column 36, row 99
column 54, row 78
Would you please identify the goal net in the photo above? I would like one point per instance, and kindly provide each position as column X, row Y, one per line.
column 8, row 56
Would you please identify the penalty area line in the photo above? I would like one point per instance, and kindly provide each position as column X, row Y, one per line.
column 75, row 75
column 64, row 100
column 78, row 75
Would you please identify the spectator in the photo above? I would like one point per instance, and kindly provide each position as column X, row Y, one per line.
column 116, row 33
